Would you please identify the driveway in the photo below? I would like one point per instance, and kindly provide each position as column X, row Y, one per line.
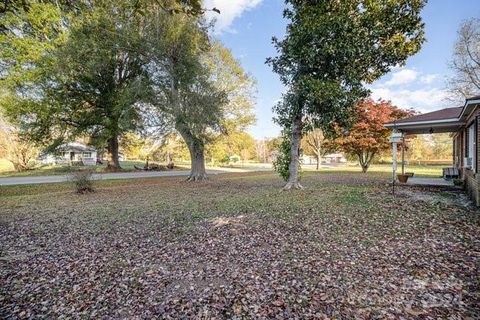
column 8, row 181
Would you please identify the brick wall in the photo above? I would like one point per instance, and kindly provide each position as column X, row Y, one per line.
column 471, row 177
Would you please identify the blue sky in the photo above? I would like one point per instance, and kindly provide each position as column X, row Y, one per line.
column 247, row 26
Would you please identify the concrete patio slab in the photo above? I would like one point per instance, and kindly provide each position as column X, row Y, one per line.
column 439, row 182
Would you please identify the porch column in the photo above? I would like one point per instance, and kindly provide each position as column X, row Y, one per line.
column 403, row 154
column 394, row 161
column 395, row 139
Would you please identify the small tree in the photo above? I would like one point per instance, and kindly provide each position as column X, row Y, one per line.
column 466, row 61
column 369, row 136
column 82, row 181
column 261, row 150
column 315, row 143
column 282, row 162
column 14, row 148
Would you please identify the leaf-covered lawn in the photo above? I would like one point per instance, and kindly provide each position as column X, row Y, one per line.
column 237, row 247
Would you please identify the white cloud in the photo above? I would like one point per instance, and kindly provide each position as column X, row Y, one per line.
column 408, row 88
column 402, row 76
column 229, row 10
column 422, row 99
column 428, row 78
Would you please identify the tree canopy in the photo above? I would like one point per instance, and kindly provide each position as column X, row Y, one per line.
column 368, row 136
column 465, row 63
column 91, row 83
column 330, row 50
column 198, row 85
column 109, row 68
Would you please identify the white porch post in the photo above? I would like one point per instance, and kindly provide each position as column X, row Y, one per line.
column 394, row 161
column 403, row 154
column 395, row 138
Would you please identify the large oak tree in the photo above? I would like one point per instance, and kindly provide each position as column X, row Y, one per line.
column 90, row 83
column 79, row 68
column 200, row 89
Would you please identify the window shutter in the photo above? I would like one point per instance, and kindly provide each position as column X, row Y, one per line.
column 466, row 143
column 475, row 147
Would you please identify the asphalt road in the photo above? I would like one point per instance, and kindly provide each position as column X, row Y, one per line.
column 9, row 181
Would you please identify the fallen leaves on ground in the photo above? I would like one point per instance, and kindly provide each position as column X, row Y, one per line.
column 235, row 247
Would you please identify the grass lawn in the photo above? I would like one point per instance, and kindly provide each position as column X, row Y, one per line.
column 431, row 171
column 6, row 169
column 237, row 247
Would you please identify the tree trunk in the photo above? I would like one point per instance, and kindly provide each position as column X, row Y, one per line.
column 197, row 155
column 365, row 167
column 364, row 159
column 19, row 167
column 318, row 161
column 294, row 166
column 113, row 164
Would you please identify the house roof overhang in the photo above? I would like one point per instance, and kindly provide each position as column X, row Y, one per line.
column 446, row 120
column 423, row 127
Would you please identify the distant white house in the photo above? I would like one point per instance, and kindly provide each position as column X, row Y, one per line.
column 334, row 158
column 70, row 153
column 327, row 159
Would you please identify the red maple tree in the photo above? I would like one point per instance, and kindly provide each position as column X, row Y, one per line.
column 369, row 136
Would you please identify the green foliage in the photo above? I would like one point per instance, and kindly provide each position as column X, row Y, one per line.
column 234, row 143
column 430, row 147
column 135, row 146
column 282, row 161
column 82, row 181
column 27, row 33
column 199, row 87
column 183, row 89
column 319, row 56
column 90, row 83
column 19, row 152
column 228, row 76
column 172, row 149
column 332, row 48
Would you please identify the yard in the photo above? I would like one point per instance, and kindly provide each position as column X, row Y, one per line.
column 6, row 168
column 237, row 247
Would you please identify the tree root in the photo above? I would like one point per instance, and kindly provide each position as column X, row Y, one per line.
column 292, row 185
column 112, row 168
column 197, row 177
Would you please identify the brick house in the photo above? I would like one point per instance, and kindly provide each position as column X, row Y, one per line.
column 463, row 124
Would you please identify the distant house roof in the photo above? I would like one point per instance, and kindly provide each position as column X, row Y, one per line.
column 75, row 147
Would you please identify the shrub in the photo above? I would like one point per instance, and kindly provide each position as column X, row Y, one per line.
column 82, row 181
column 458, row 182
column 282, row 162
